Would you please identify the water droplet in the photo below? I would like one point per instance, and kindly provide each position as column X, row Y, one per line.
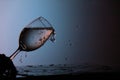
column 52, row 37
column 21, row 59
column 77, row 26
column 25, row 54
column 40, row 39
column 69, row 43
column 66, row 58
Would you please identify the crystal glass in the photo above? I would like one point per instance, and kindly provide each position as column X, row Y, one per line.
column 34, row 35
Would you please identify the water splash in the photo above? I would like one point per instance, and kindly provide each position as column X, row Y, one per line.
column 52, row 37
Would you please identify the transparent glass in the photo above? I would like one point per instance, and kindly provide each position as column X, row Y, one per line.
column 34, row 35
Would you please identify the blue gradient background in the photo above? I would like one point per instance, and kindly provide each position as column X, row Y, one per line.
column 86, row 31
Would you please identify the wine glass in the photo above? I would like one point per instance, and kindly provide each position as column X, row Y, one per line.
column 34, row 35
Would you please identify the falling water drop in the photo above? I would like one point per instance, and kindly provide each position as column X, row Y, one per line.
column 52, row 37
column 66, row 58
column 25, row 54
column 21, row 59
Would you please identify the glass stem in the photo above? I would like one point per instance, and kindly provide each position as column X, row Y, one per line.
column 15, row 53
